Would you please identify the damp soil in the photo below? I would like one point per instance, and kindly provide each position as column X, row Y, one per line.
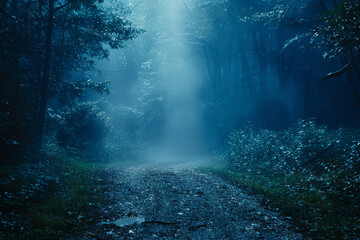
column 152, row 202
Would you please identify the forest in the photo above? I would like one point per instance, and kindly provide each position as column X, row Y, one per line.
column 179, row 119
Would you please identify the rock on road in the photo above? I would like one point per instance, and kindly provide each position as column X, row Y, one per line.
column 184, row 203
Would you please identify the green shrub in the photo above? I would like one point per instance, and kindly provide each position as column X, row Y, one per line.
column 83, row 126
column 308, row 171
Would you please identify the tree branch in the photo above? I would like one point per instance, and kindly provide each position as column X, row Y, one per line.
column 339, row 72
column 60, row 7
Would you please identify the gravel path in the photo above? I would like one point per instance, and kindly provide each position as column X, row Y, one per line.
column 183, row 203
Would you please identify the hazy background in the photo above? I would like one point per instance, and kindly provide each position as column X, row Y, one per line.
column 200, row 70
column 160, row 66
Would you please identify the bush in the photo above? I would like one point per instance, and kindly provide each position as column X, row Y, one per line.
column 51, row 194
column 308, row 171
column 124, row 141
column 99, row 130
column 83, row 126
column 303, row 147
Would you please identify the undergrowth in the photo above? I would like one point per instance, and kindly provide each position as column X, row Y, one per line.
column 49, row 195
column 308, row 172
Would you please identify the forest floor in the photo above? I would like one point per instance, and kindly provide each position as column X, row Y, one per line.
column 177, row 202
column 65, row 197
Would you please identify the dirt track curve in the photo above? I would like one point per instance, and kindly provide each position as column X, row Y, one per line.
column 152, row 202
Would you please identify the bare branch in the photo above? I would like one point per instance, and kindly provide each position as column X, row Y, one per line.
column 60, row 7
column 339, row 72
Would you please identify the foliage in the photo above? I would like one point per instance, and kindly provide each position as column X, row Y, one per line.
column 340, row 34
column 83, row 126
column 73, row 91
column 335, row 31
column 310, row 172
column 101, row 131
column 126, row 133
column 33, row 47
column 48, row 195
column 153, row 96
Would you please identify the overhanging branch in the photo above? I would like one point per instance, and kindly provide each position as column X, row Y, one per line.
column 339, row 72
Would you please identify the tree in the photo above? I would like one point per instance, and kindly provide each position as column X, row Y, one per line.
column 49, row 40
column 337, row 33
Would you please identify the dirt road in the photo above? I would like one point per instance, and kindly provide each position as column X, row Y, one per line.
column 151, row 202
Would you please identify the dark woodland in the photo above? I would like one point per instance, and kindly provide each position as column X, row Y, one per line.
column 179, row 119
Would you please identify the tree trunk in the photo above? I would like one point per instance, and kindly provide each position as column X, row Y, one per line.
column 46, row 73
column 13, row 76
column 352, row 83
column 246, row 73
column 262, row 61
column 14, row 8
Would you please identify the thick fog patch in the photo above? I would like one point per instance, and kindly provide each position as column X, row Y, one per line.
column 158, row 76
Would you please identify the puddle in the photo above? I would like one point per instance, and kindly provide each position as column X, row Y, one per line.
column 126, row 221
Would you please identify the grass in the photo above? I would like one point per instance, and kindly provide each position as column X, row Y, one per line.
column 321, row 214
column 65, row 204
column 308, row 172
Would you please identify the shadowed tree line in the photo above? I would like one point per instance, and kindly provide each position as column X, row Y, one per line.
column 266, row 62
column 273, row 62
column 42, row 43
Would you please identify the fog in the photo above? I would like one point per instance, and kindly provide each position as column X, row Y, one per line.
column 179, row 119
column 195, row 74
column 179, row 78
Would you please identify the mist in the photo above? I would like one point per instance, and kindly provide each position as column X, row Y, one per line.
column 179, row 77
column 179, row 119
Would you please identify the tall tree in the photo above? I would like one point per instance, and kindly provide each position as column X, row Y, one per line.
column 46, row 41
